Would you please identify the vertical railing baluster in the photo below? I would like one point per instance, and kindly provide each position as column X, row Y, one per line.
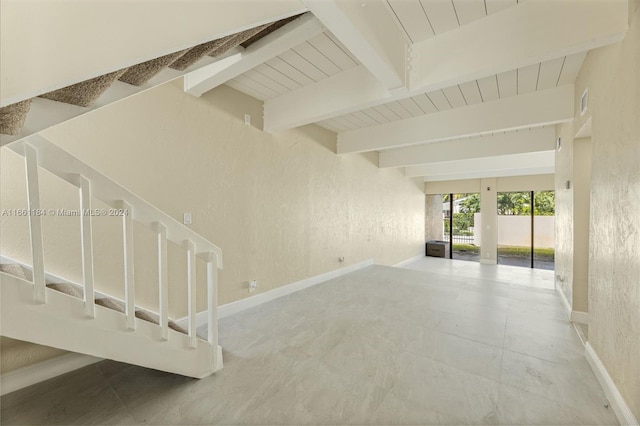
column 35, row 223
column 163, row 280
column 212, row 306
column 191, row 289
column 87, row 246
column 129, row 281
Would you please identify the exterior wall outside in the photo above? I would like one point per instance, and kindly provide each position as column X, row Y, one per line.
column 611, row 74
column 282, row 207
column 434, row 226
column 516, row 230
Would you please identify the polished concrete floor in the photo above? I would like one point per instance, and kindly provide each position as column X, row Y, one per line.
column 436, row 342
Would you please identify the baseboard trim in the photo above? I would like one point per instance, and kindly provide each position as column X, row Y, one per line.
column 253, row 301
column 488, row 262
column 408, row 261
column 565, row 302
column 619, row 405
column 580, row 317
column 45, row 370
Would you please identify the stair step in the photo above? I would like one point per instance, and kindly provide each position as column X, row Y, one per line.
column 236, row 39
column 196, row 53
column 12, row 117
column 16, row 270
column 268, row 29
column 68, row 289
column 84, row 93
column 138, row 75
column 76, row 291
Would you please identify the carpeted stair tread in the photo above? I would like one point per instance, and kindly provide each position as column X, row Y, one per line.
column 267, row 30
column 197, row 52
column 85, row 93
column 236, row 39
column 12, row 117
column 16, row 270
column 110, row 303
column 155, row 319
column 138, row 75
column 68, row 289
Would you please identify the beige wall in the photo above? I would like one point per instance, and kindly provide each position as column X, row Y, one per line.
column 564, row 213
column 282, row 207
column 434, row 226
column 612, row 75
column 489, row 211
column 526, row 183
column 581, row 213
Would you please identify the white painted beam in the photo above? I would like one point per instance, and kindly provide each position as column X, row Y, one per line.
column 524, row 141
column 208, row 77
column 492, row 174
column 504, row 165
column 510, row 39
column 518, row 112
column 533, row 32
column 287, row 111
column 368, row 30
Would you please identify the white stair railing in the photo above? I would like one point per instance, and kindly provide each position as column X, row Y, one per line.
column 35, row 223
column 39, row 152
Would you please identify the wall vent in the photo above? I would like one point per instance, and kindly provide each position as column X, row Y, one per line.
column 584, row 101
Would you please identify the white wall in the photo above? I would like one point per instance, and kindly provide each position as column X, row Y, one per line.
column 434, row 225
column 612, row 75
column 282, row 207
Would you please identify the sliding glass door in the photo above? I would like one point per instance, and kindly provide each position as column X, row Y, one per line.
column 526, row 229
column 461, row 215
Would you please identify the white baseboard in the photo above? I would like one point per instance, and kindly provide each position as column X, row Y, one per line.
column 488, row 261
column 565, row 302
column 408, row 261
column 253, row 301
column 580, row 317
column 35, row 373
column 617, row 402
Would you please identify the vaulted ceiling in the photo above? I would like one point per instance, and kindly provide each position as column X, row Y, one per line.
column 446, row 89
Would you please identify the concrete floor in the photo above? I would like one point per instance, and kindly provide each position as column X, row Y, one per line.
column 437, row 342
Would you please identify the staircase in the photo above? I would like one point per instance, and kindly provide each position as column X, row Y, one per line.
column 33, row 115
column 39, row 308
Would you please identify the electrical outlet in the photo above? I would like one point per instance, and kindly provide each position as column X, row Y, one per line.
column 247, row 119
column 187, row 218
column 341, row 259
column 252, row 286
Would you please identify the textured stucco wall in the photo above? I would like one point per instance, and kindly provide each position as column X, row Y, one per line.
column 489, row 230
column 581, row 216
column 282, row 207
column 564, row 213
column 434, row 226
column 612, row 75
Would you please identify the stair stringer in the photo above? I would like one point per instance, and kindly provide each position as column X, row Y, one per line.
column 61, row 323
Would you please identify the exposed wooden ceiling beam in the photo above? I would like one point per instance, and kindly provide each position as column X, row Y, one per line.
column 525, row 141
column 368, row 30
column 518, row 112
column 527, row 34
column 506, row 165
